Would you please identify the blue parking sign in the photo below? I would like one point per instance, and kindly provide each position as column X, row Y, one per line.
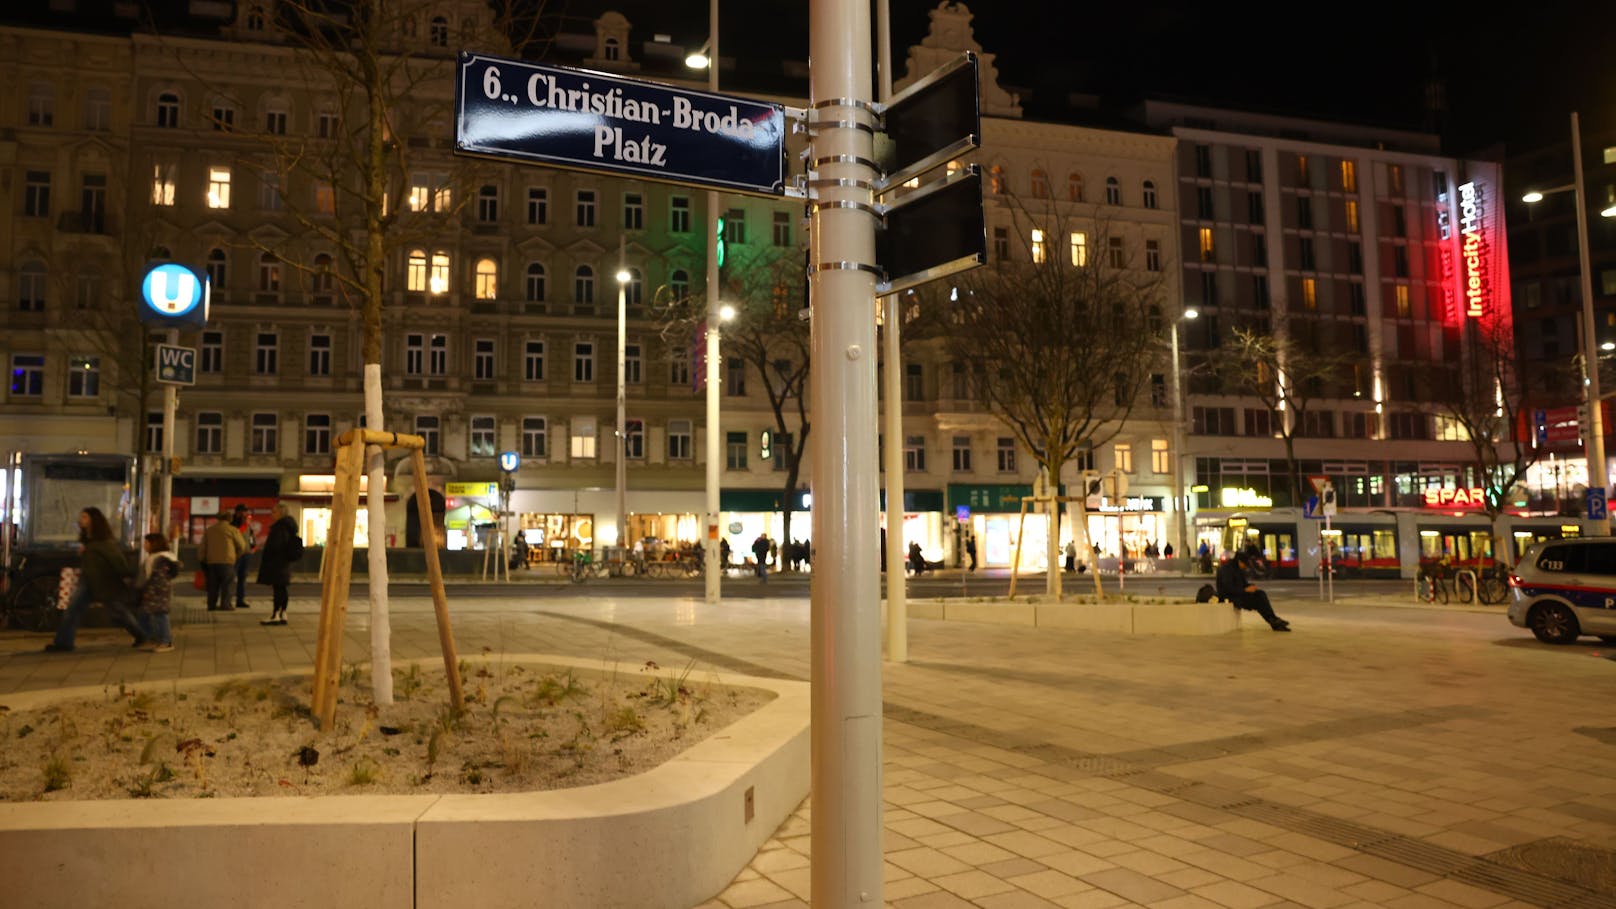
column 1597, row 510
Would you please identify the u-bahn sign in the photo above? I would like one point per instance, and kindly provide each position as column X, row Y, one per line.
column 586, row 120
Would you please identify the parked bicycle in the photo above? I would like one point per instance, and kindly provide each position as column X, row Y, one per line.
column 584, row 566
column 29, row 602
column 1431, row 584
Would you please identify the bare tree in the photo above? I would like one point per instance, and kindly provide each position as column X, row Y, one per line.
column 1059, row 350
column 1288, row 376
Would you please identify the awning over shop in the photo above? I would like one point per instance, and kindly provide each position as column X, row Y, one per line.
column 228, row 487
column 758, row 500
column 918, row 499
column 987, row 497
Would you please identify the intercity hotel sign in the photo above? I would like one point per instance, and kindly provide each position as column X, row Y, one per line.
column 1475, row 249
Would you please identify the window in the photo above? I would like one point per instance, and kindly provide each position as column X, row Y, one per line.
column 1001, row 243
column 735, row 451
column 914, row 384
column 1304, row 249
column 1203, row 161
column 1360, row 305
column 1006, row 450
column 535, row 283
column 1039, row 253
column 1254, row 208
column 162, row 193
column 679, row 438
column 317, row 433
column 429, row 192
column 89, row 289
column 1400, row 261
column 633, row 211
column 1150, row 194
column 734, row 377
column 1115, row 252
column 487, row 204
column 584, row 208
column 1400, row 295
column 535, row 435
column 962, row 381
column 962, row 454
column 996, row 180
column 735, row 226
column 218, row 187
column 679, row 284
column 325, row 199
column 782, row 228
column 415, row 270
column 1209, row 288
column 275, row 122
column 1355, row 258
column 1153, row 255
column 326, row 124
column 1161, row 460
column 323, row 280
column 427, row 426
column 1304, row 212
column 1113, row 191
column 1258, row 422
column 533, row 361
column 27, row 375
column 583, row 438
column 631, row 364
column 168, row 110
column 538, row 205
column 1253, row 165
column 487, row 283
column 414, row 355
column 255, row 19
column 634, row 289
column 1074, row 187
column 1040, row 185
column 93, row 203
column 266, row 359
column 1302, row 177
column 438, row 32
column 224, row 117
column 583, row 361
column 218, row 269
column 679, row 215
column 212, row 353
column 1080, row 249
column 210, row 432
column 437, row 358
column 320, row 354
column 1349, row 177
column 154, row 432
column 914, row 454
column 84, row 377
column 41, row 104
column 1213, row 421
column 1158, row 390
column 1203, row 203
column 36, row 194
column 269, row 274
column 483, row 359
column 1310, row 293
column 1207, row 252
column 1399, row 222
column 31, row 280
column 1123, row 454
column 1319, row 424
column 266, row 430
column 634, row 440
column 1352, row 216
column 437, row 282
column 583, row 286
column 482, row 437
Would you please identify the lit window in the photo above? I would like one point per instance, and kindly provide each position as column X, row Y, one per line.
column 1404, row 310
column 415, row 273
column 163, row 184
column 583, row 438
column 325, row 199
column 1206, row 244
column 27, row 375
column 218, row 187
column 1352, row 215
column 438, row 281
column 1349, row 176
column 1080, row 249
column 1310, row 293
column 1039, row 254
column 996, row 180
column 1161, row 461
column 1124, row 457
column 487, row 279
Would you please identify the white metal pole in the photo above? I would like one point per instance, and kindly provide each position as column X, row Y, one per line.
column 715, row 441
column 171, row 403
column 1598, row 476
column 897, row 580
column 622, row 426
column 1180, row 519
column 846, row 588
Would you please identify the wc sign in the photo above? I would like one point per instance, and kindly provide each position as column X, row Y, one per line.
column 176, row 365
column 172, row 295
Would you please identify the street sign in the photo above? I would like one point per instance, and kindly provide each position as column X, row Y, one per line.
column 930, row 123
column 586, row 120
column 1310, row 509
column 509, row 461
column 933, row 232
column 1597, row 508
column 1327, row 500
column 172, row 295
column 176, row 365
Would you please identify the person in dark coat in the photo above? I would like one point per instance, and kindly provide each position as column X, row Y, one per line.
column 1235, row 587
column 760, row 555
column 281, row 548
column 104, row 577
column 242, row 521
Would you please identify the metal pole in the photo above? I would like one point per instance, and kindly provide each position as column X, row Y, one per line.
column 846, row 588
column 1595, row 437
column 622, row 426
column 897, row 580
column 171, row 403
column 715, row 442
column 1180, row 519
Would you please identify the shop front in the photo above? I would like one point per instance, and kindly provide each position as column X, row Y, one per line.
column 197, row 500
column 746, row 513
column 1125, row 527
column 923, row 523
column 990, row 514
column 471, row 513
column 310, row 505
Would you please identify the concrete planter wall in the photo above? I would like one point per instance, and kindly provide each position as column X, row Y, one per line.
column 1119, row 617
column 671, row 837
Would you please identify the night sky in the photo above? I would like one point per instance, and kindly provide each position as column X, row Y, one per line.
column 1507, row 79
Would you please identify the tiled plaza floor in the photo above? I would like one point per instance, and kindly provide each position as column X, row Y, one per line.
column 1374, row 757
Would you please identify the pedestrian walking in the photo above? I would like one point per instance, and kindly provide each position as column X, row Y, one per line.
column 282, row 548
column 1236, row 587
column 243, row 524
column 1071, row 555
column 970, row 551
column 760, row 557
column 917, row 560
column 156, row 583
column 104, row 578
column 222, row 546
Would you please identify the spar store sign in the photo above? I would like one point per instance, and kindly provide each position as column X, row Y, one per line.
column 1473, row 497
column 1475, row 246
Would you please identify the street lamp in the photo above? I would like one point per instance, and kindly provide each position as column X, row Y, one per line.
column 709, row 61
column 1178, row 438
column 1598, row 477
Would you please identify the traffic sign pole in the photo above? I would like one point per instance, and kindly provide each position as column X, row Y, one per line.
column 171, row 404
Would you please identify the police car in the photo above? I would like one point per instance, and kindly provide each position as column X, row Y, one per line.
column 1566, row 588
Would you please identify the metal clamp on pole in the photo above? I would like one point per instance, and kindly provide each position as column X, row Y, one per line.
column 847, row 266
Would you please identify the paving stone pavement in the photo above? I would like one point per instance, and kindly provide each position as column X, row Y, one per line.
column 1374, row 757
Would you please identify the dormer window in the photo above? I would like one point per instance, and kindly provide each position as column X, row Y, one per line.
column 610, row 49
column 438, row 36
column 255, row 19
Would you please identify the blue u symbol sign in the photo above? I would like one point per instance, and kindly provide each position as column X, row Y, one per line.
column 171, row 290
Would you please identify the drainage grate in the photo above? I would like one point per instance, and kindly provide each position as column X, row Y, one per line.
column 1565, row 859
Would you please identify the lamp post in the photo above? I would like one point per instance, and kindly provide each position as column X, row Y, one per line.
column 709, row 59
column 1594, row 434
column 1180, row 518
column 623, row 277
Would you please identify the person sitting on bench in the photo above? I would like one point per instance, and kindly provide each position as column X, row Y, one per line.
column 1236, row 588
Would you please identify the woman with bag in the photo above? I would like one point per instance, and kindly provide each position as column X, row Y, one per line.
column 103, row 578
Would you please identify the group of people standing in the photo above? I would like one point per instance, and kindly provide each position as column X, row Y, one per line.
column 139, row 601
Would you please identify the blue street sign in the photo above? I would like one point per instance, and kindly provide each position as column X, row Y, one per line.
column 509, row 461
column 1597, row 509
column 1310, row 509
column 592, row 121
column 174, row 295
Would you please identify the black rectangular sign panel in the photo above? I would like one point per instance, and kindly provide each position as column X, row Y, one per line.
column 586, row 120
column 931, row 122
column 934, row 232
